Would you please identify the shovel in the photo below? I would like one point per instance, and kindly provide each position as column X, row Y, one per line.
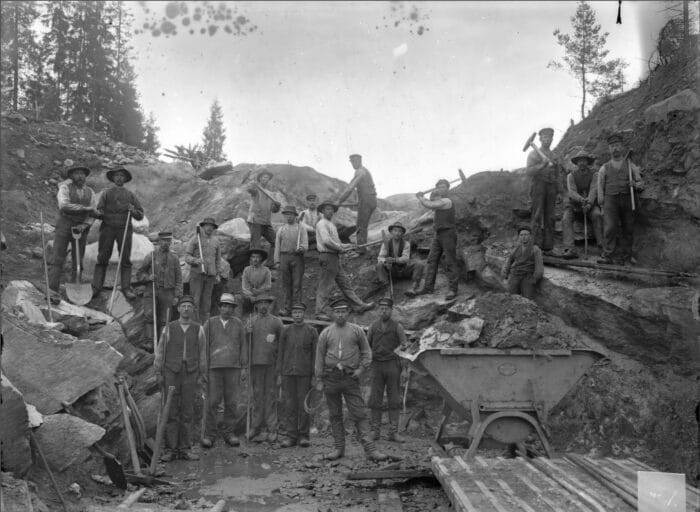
column 404, row 415
column 78, row 293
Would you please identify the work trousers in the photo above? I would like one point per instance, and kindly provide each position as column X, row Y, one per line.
column 62, row 239
column 332, row 272
column 444, row 242
column 544, row 199
column 108, row 236
column 201, row 287
column 522, row 285
column 258, row 231
column 365, row 208
column 178, row 432
column 618, row 220
column 292, row 268
column 336, row 386
column 263, row 381
column 412, row 270
column 164, row 302
column 295, row 420
column 596, row 224
column 223, row 384
column 386, row 375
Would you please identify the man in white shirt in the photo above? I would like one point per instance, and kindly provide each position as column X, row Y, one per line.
column 291, row 243
column 309, row 217
column 395, row 259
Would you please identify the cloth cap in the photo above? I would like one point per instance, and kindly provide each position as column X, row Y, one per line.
column 228, row 298
column 291, row 209
column 263, row 298
column 546, row 130
column 443, row 181
column 298, row 305
column 386, row 301
column 311, row 196
column 615, row 137
column 209, row 220
column 69, row 172
column 340, row 304
column 356, row 155
column 261, row 252
column 185, row 299
column 111, row 173
column 525, row 227
column 397, row 225
column 327, row 203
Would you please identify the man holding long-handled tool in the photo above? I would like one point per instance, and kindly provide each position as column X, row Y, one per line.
column 366, row 195
column 582, row 185
column 76, row 205
column 115, row 207
column 204, row 257
column 617, row 181
column 290, row 245
column 394, row 260
column 262, row 206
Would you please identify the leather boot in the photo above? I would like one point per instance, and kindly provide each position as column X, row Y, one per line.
column 394, row 427
column 126, row 284
column 334, row 455
column 375, row 424
column 98, row 279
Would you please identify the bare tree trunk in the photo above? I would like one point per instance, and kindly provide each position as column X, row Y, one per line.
column 686, row 28
column 583, row 89
column 15, row 58
column 119, row 42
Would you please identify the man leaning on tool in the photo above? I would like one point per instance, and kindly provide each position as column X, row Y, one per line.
column 329, row 249
column 113, row 208
column 342, row 355
column 168, row 282
column 366, row 195
column 384, row 336
column 614, row 196
column 225, row 353
column 178, row 363
column 395, row 259
column 205, row 266
column 76, row 206
column 582, row 186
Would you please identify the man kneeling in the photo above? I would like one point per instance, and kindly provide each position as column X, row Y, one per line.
column 394, row 260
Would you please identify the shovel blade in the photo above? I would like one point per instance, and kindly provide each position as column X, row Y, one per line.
column 115, row 471
column 404, row 420
column 79, row 294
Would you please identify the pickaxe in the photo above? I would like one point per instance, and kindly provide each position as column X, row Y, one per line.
column 259, row 187
column 530, row 143
column 461, row 178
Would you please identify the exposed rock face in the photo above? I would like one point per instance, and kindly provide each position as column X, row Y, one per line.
column 64, row 439
column 14, row 430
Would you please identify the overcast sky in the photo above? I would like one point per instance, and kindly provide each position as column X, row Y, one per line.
column 320, row 80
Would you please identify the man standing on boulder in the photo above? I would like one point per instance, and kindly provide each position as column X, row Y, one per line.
column 366, row 195
column 329, row 249
column 545, row 190
column 76, row 206
column 260, row 212
column 225, row 353
column 168, row 280
column 309, row 217
column 384, row 336
column 204, row 257
column 395, row 259
column 582, row 185
column 342, row 355
column 445, row 241
column 113, row 207
column 524, row 267
column 291, row 243
column 178, row 363
column 614, row 197
column 256, row 279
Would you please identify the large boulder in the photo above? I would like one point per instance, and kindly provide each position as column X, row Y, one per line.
column 141, row 247
column 14, row 430
column 686, row 100
column 64, row 439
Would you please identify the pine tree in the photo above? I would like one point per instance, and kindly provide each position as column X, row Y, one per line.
column 150, row 140
column 17, row 41
column 585, row 56
column 214, row 134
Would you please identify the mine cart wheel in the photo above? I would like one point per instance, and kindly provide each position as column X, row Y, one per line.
column 515, row 426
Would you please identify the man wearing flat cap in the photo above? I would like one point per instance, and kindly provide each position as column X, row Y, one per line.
column 342, row 356
column 366, row 196
column 309, row 217
column 76, row 206
column 384, row 336
column 616, row 179
column 256, row 279
column 524, row 267
column 295, row 367
column 113, row 207
column 178, row 363
column 291, row 243
column 395, row 259
column 261, row 210
column 203, row 254
column 225, row 353
column 161, row 267
column 545, row 188
column 582, row 185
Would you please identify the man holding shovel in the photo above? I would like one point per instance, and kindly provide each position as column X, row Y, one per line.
column 76, row 207
column 366, row 195
column 204, row 257
column 290, row 245
column 262, row 206
column 116, row 206
column 582, row 185
column 394, row 260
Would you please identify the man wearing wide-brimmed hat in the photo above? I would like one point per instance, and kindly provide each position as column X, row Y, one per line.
column 256, row 279
column 113, row 208
column 203, row 254
column 329, row 249
column 163, row 268
column 291, row 243
column 395, row 259
column 261, row 210
column 582, row 186
column 76, row 206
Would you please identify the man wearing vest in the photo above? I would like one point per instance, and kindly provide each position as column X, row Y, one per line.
column 329, row 249
column 342, row 355
column 76, row 206
column 113, row 207
column 291, row 243
column 260, row 212
column 524, row 267
column 266, row 331
column 205, row 267
column 225, row 354
column 615, row 199
column 445, row 241
column 366, row 195
column 256, row 279
column 545, row 190
column 168, row 280
column 395, row 258
column 295, row 367
column 384, row 336
column 582, row 185
column 179, row 363
column 309, row 217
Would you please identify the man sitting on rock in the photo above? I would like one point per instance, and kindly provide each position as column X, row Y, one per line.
column 256, row 279
column 582, row 185
column 203, row 254
column 113, row 208
column 524, row 267
column 76, row 206
column 395, row 259
column 309, row 217
column 291, row 243
column 260, row 212
column 178, row 363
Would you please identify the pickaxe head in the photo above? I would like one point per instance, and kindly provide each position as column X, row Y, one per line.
column 529, row 141
column 246, row 176
column 462, row 176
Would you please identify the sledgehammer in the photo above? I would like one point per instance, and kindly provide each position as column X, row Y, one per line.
column 530, row 143
column 461, row 178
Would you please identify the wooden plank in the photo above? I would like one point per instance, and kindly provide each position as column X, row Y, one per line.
column 389, row 501
column 492, row 497
column 541, row 494
column 569, row 497
column 588, row 493
column 504, row 485
column 401, row 474
column 459, row 500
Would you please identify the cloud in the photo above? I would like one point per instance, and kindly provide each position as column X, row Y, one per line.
column 400, row 50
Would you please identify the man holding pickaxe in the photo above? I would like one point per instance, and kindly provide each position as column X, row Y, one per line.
column 367, row 198
column 204, row 257
column 262, row 206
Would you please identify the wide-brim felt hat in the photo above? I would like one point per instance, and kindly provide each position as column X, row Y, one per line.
column 397, row 225
column 582, row 154
column 69, row 172
column 112, row 172
column 261, row 252
column 263, row 172
column 209, row 220
column 614, row 137
column 327, row 203
column 263, row 298
column 546, row 130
